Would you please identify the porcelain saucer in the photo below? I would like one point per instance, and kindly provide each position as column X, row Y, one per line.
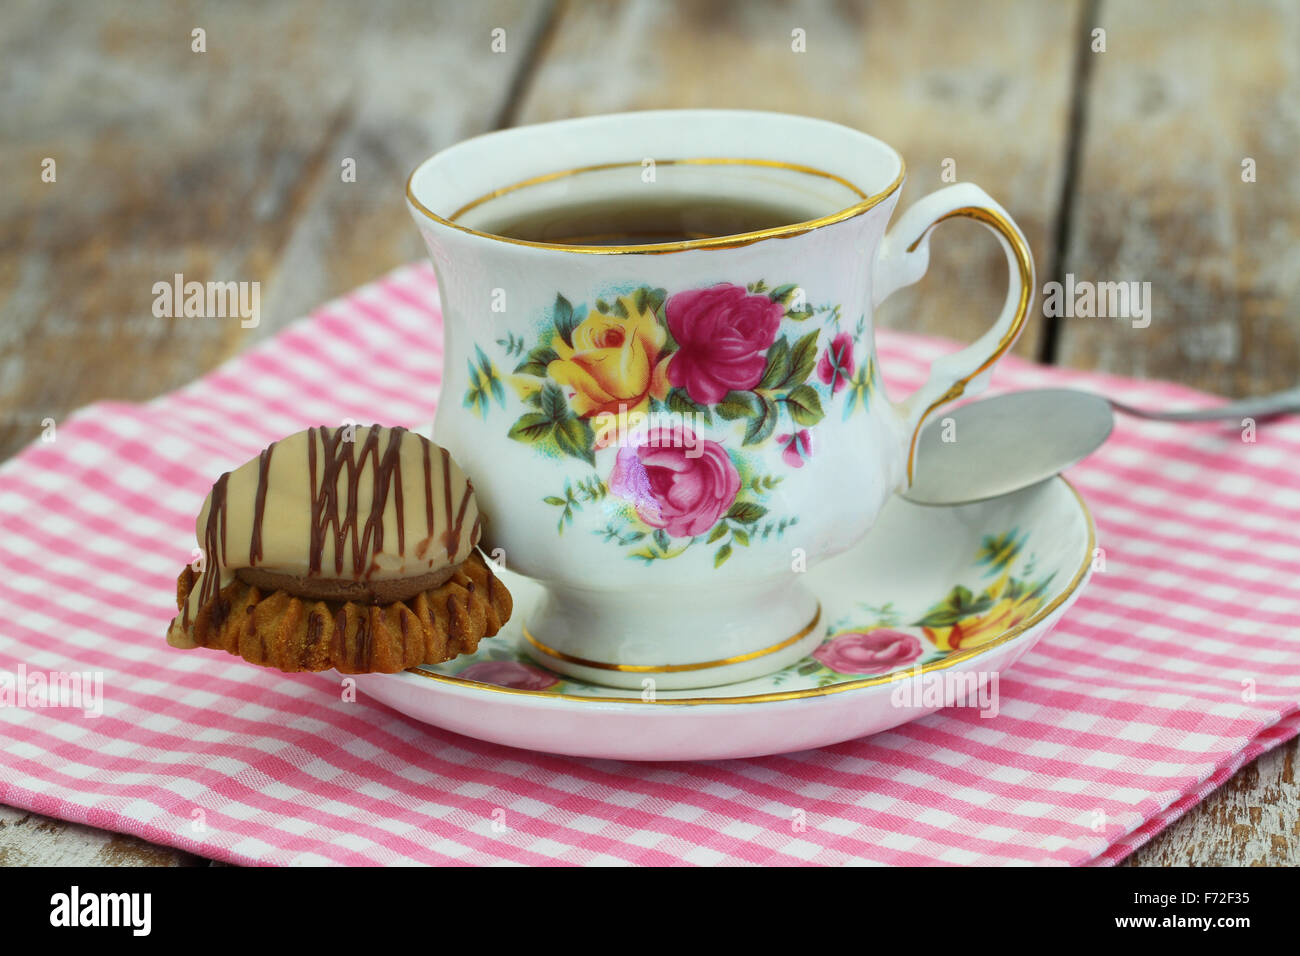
column 926, row 612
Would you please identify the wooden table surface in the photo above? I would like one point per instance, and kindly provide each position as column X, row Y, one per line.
column 1122, row 154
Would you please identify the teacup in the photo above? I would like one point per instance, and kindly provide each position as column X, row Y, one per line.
column 666, row 435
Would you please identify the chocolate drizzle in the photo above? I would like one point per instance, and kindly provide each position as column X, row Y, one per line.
column 341, row 459
column 428, row 496
column 259, row 504
column 451, row 535
column 335, row 485
column 214, row 546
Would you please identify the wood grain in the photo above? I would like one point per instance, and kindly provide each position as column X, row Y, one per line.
column 227, row 165
column 985, row 84
column 29, row 839
column 1183, row 94
column 1252, row 820
column 223, row 165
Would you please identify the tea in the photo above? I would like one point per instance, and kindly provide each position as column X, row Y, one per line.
column 633, row 221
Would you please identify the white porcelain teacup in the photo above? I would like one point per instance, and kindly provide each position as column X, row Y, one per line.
column 666, row 435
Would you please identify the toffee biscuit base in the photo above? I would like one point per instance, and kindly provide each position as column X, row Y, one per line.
column 279, row 629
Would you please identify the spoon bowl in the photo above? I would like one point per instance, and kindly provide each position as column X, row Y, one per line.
column 999, row 445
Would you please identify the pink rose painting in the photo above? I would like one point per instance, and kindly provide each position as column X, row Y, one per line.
column 836, row 365
column 798, row 447
column 676, row 481
column 723, row 334
column 510, row 674
column 871, row 652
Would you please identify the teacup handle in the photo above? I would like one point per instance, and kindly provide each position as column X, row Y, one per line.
column 902, row 260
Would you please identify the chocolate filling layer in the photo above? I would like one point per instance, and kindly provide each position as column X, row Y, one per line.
column 383, row 591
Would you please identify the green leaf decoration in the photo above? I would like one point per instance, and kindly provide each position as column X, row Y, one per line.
column 513, row 344
column 810, row 667
column 735, row 405
column 531, row 428
column 804, row 405
column 777, row 370
column 649, row 299
column 746, row 512
column 999, row 551
column 564, row 321
column 724, row 552
column 661, row 539
column 552, row 402
column 802, row 358
column 740, row 537
column 1039, row 589
column 554, row 500
column 763, row 423
column 602, row 306
column 719, row 531
column 575, row 438
column 957, row 606
column 782, row 292
column 680, row 402
column 537, row 361
column 761, row 484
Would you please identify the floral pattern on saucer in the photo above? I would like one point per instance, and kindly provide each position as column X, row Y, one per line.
column 1000, row 589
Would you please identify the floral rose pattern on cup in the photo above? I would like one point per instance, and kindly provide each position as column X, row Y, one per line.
column 723, row 334
column 798, row 447
column 612, row 362
column 835, row 367
column 737, row 360
column 869, row 652
column 683, row 493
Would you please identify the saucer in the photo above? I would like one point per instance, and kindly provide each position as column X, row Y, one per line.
column 926, row 612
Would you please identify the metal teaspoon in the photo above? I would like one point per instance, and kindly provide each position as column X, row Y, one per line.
column 1002, row 444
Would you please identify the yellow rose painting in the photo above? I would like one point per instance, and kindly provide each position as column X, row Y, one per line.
column 964, row 620
column 614, row 364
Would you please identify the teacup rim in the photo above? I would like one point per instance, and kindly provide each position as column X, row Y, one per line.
column 870, row 200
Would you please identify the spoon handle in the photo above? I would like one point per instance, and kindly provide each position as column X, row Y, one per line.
column 1265, row 406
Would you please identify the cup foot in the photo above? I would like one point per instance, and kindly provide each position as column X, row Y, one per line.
column 673, row 640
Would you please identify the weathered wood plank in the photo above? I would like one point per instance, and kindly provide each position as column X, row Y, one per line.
column 29, row 839
column 1182, row 96
column 984, row 84
column 218, row 165
column 1252, row 820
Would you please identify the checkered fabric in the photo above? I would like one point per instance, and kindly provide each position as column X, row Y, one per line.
column 1179, row 663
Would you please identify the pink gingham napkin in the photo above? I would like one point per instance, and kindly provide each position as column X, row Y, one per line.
column 1180, row 662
